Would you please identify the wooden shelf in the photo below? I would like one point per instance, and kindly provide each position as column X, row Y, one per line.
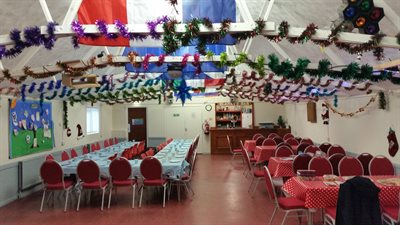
column 228, row 121
column 232, row 111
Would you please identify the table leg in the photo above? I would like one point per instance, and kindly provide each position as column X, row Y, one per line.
column 311, row 216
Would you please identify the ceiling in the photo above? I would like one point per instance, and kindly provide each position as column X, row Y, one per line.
column 22, row 13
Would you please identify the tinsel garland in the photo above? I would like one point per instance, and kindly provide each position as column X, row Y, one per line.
column 151, row 25
column 145, row 62
column 102, row 27
column 382, row 100
column 351, row 114
column 170, row 39
column 65, row 114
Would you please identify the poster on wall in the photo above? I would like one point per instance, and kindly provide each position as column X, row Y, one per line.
column 31, row 127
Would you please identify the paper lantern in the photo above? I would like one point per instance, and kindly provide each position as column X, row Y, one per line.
column 363, row 15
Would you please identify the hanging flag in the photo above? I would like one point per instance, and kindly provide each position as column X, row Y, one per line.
column 142, row 11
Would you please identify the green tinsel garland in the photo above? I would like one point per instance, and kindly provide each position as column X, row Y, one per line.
column 65, row 114
column 382, row 100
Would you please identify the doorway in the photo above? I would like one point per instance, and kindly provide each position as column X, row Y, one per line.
column 137, row 124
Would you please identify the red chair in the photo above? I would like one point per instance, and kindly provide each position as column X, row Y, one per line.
column 298, row 139
column 256, row 136
column 365, row 158
column 184, row 180
column 150, row 152
column 52, row 176
column 89, row 174
column 111, row 142
column 135, row 150
column 307, row 140
column 302, row 147
column 272, row 135
column 283, row 151
column 300, row 162
column 284, row 144
column 380, row 165
column 93, row 147
column 115, row 140
column 106, row 144
column 285, row 204
column 256, row 173
column 268, row 142
column 64, row 156
column 350, row 166
column 391, row 214
column 260, row 141
column 141, row 147
column 312, row 149
column 335, row 159
column 121, row 176
column 234, row 152
column 73, row 153
column 85, row 150
column 113, row 157
column 143, row 155
column 98, row 146
column 321, row 166
column 278, row 140
column 126, row 154
column 292, row 141
column 330, row 216
column 151, row 170
column 287, row 136
column 325, row 147
column 336, row 149
column 49, row 157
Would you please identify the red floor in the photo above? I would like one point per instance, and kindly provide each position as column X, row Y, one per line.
column 220, row 198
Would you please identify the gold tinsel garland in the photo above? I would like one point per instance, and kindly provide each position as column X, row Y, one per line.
column 360, row 110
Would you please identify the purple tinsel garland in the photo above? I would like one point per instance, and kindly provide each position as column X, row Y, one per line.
column 102, row 27
column 123, row 30
column 78, row 29
column 153, row 24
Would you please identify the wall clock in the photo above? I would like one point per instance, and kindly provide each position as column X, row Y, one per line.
column 208, row 107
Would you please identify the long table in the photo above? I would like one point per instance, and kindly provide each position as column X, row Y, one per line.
column 172, row 158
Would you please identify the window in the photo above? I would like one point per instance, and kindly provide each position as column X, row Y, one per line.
column 92, row 120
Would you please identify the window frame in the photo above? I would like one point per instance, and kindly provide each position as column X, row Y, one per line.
column 92, row 132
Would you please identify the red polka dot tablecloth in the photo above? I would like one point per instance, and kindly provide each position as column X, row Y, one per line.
column 279, row 167
column 316, row 194
column 264, row 153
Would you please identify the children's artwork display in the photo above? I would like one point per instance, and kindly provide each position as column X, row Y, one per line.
column 31, row 127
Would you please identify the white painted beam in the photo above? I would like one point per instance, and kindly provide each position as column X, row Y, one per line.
column 1, row 66
column 46, row 11
column 269, row 8
column 71, row 13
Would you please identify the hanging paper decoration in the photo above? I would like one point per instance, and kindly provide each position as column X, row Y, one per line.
column 65, row 114
column 325, row 114
column 80, row 132
column 393, row 144
column 183, row 92
column 351, row 114
column 68, row 131
column 364, row 15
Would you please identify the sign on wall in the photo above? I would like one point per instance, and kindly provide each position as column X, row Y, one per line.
column 31, row 127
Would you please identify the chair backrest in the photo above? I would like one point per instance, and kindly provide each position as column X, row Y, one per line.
column 256, row 136
column 85, row 150
column 380, row 165
column 325, row 147
column 150, row 152
column 272, row 135
column 73, row 153
column 268, row 142
column 312, row 149
column 278, row 140
column 284, row 144
column 365, row 158
column 88, row 171
column 120, row 169
column 111, row 141
column 335, row 159
column 115, row 140
column 292, row 141
column 51, row 172
column 336, row 149
column 151, row 168
column 49, row 157
column 126, row 154
column 143, row 155
column 229, row 144
column 287, row 136
column 307, row 140
column 298, row 139
column 141, row 147
column 283, row 151
column 135, row 149
column 350, row 166
column 64, row 156
column 98, row 146
column 245, row 156
column 269, row 184
column 260, row 140
column 302, row 147
column 106, row 144
column 93, row 147
column 321, row 166
column 300, row 162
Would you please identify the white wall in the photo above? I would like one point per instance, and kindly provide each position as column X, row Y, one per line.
column 76, row 115
column 159, row 121
column 365, row 132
